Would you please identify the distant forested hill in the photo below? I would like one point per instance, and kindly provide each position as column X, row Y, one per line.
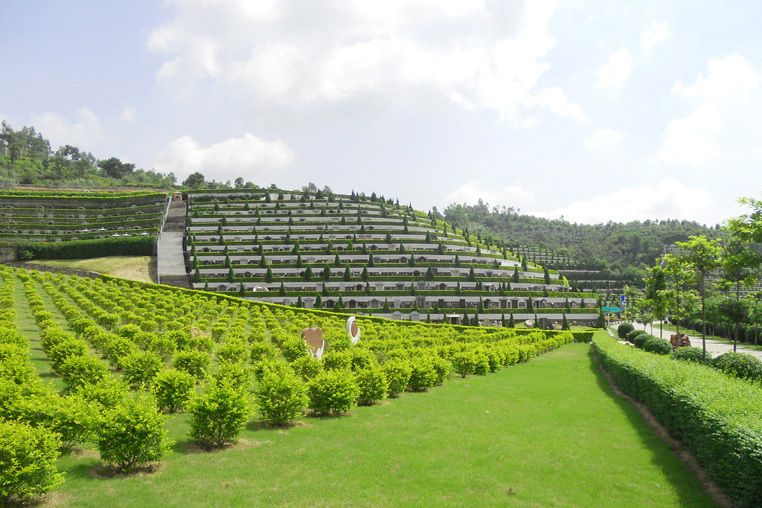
column 613, row 247
column 27, row 158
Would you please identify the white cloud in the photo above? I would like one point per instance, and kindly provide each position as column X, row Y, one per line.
column 476, row 54
column 84, row 132
column 669, row 198
column 616, row 70
column 510, row 195
column 692, row 139
column 247, row 156
column 726, row 78
column 554, row 99
column 654, row 34
column 602, row 138
column 127, row 115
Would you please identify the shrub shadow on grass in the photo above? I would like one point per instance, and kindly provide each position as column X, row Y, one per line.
column 666, row 452
column 190, row 447
column 104, row 471
column 260, row 426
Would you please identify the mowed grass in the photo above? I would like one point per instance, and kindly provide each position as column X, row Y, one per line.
column 141, row 268
column 545, row 433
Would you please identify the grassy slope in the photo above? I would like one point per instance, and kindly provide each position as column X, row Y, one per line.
column 141, row 268
column 545, row 433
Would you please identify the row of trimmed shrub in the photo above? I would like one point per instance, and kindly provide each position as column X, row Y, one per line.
column 740, row 365
column 29, row 443
column 122, row 246
column 717, row 416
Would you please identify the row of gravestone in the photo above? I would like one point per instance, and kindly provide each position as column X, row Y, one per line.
column 313, row 337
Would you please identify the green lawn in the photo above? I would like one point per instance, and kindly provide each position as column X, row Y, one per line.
column 545, row 433
column 141, row 268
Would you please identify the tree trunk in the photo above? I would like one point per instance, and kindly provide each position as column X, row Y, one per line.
column 703, row 319
column 738, row 297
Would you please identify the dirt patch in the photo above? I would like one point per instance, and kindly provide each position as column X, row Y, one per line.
column 677, row 447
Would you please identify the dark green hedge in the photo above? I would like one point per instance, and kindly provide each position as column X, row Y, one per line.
column 718, row 417
column 130, row 246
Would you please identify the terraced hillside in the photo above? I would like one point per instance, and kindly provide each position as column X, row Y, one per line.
column 369, row 255
column 38, row 222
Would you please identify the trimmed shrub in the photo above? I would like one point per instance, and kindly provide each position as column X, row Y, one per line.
column 332, row 392
column 71, row 416
column 623, row 329
column 373, row 386
column 442, row 369
column 742, row 365
column 422, row 375
column 280, row 398
column 237, row 375
column 218, row 416
column 78, row 371
column 11, row 336
column 397, row 376
column 117, row 348
column 233, row 351
column 689, row 354
column 261, row 351
column 28, row 459
column 464, row 363
column 271, row 366
column 162, row 346
column 657, row 345
column 307, row 367
column 172, row 389
column 15, row 365
column 481, row 363
column 140, row 368
column 634, row 333
column 362, row 359
column 65, row 349
column 294, row 348
column 195, row 363
column 337, row 360
column 107, row 394
column 132, row 434
column 640, row 340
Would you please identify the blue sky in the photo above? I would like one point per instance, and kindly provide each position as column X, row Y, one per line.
column 593, row 111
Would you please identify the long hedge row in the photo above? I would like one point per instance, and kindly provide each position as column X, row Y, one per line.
column 718, row 417
column 125, row 246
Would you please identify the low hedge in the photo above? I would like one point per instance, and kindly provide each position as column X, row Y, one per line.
column 718, row 417
column 125, row 246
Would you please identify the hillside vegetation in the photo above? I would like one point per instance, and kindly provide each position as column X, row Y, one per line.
column 619, row 248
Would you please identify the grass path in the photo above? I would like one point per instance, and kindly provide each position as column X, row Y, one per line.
column 27, row 326
column 545, row 433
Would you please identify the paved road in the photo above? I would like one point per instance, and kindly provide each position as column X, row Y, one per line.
column 716, row 348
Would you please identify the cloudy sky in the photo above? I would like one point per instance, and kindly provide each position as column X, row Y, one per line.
column 590, row 110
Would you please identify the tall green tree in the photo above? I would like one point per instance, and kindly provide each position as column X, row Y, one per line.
column 702, row 255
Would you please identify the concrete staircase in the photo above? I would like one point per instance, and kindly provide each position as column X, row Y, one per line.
column 170, row 258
